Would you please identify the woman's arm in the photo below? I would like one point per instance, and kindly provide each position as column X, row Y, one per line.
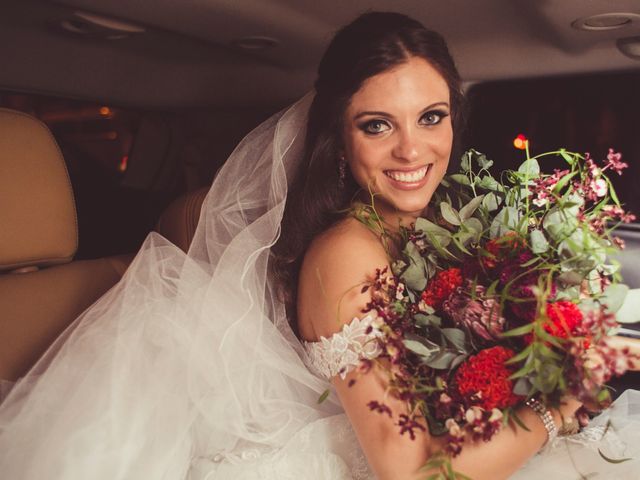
column 337, row 265
column 396, row 457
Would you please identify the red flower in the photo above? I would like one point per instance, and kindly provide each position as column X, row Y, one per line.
column 565, row 320
column 441, row 287
column 484, row 379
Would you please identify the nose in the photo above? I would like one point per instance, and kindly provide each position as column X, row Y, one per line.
column 406, row 146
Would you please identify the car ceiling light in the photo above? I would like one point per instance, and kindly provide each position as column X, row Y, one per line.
column 630, row 47
column 255, row 43
column 606, row 21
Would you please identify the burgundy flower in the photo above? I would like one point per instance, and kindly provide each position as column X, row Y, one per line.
column 483, row 316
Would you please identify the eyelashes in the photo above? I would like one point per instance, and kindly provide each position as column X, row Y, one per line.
column 374, row 127
column 378, row 125
column 434, row 116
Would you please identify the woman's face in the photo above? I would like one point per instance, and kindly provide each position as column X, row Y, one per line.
column 398, row 137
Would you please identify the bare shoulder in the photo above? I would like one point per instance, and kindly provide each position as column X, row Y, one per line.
column 336, row 266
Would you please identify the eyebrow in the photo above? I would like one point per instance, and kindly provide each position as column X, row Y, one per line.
column 385, row 114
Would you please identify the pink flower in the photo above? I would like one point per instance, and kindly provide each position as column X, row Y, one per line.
column 614, row 162
column 616, row 212
column 543, row 187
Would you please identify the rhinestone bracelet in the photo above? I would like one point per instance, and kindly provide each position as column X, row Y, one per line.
column 546, row 418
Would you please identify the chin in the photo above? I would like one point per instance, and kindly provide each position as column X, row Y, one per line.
column 413, row 209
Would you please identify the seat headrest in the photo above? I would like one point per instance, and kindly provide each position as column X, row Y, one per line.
column 179, row 220
column 38, row 224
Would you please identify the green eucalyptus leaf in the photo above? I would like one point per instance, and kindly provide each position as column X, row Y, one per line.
column 559, row 224
column 435, row 231
column 570, row 277
column 489, row 183
column 458, row 360
column 491, row 202
column 613, row 296
column 415, row 275
column 465, row 239
column 457, row 337
column 449, row 214
column 442, row 360
column 427, row 320
column 459, row 241
column 465, row 161
column 530, row 167
column 470, row 208
column 474, row 225
column 572, row 203
column 539, row 243
column 460, row 179
column 419, row 347
column 484, row 162
column 548, row 375
column 522, row 387
column 505, row 221
column 630, row 310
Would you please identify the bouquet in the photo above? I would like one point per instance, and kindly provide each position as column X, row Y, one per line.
column 504, row 291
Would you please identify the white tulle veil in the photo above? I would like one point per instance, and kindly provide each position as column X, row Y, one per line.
column 188, row 355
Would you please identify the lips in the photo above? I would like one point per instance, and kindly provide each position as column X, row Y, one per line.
column 410, row 177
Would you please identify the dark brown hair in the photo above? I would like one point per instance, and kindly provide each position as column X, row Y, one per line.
column 371, row 44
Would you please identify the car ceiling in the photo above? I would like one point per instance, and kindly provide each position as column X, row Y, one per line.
column 188, row 54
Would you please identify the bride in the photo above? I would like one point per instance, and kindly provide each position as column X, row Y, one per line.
column 210, row 365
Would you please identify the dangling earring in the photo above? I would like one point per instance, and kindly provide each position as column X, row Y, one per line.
column 342, row 172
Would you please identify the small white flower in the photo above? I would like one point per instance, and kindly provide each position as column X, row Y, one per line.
column 540, row 202
column 599, row 187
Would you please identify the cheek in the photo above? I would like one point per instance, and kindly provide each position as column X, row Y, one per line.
column 364, row 160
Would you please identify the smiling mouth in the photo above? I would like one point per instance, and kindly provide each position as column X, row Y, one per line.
column 413, row 176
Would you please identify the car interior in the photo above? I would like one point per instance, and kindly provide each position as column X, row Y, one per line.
column 115, row 116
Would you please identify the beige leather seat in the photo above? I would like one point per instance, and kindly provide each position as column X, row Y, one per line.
column 42, row 290
column 179, row 220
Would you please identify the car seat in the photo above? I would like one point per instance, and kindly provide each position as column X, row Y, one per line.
column 42, row 289
column 179, row 220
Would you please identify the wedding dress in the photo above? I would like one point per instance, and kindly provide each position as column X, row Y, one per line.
column 188, row 369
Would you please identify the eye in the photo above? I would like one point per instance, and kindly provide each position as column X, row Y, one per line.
column 374, row 127
column 433, row 117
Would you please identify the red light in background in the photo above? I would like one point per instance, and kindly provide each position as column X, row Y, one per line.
column 123, row 163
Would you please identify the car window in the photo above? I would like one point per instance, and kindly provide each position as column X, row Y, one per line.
column 589, row 113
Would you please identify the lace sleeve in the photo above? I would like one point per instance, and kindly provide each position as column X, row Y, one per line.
column 341, row 352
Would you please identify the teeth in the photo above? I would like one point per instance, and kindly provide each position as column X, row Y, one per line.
column 408, row 177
